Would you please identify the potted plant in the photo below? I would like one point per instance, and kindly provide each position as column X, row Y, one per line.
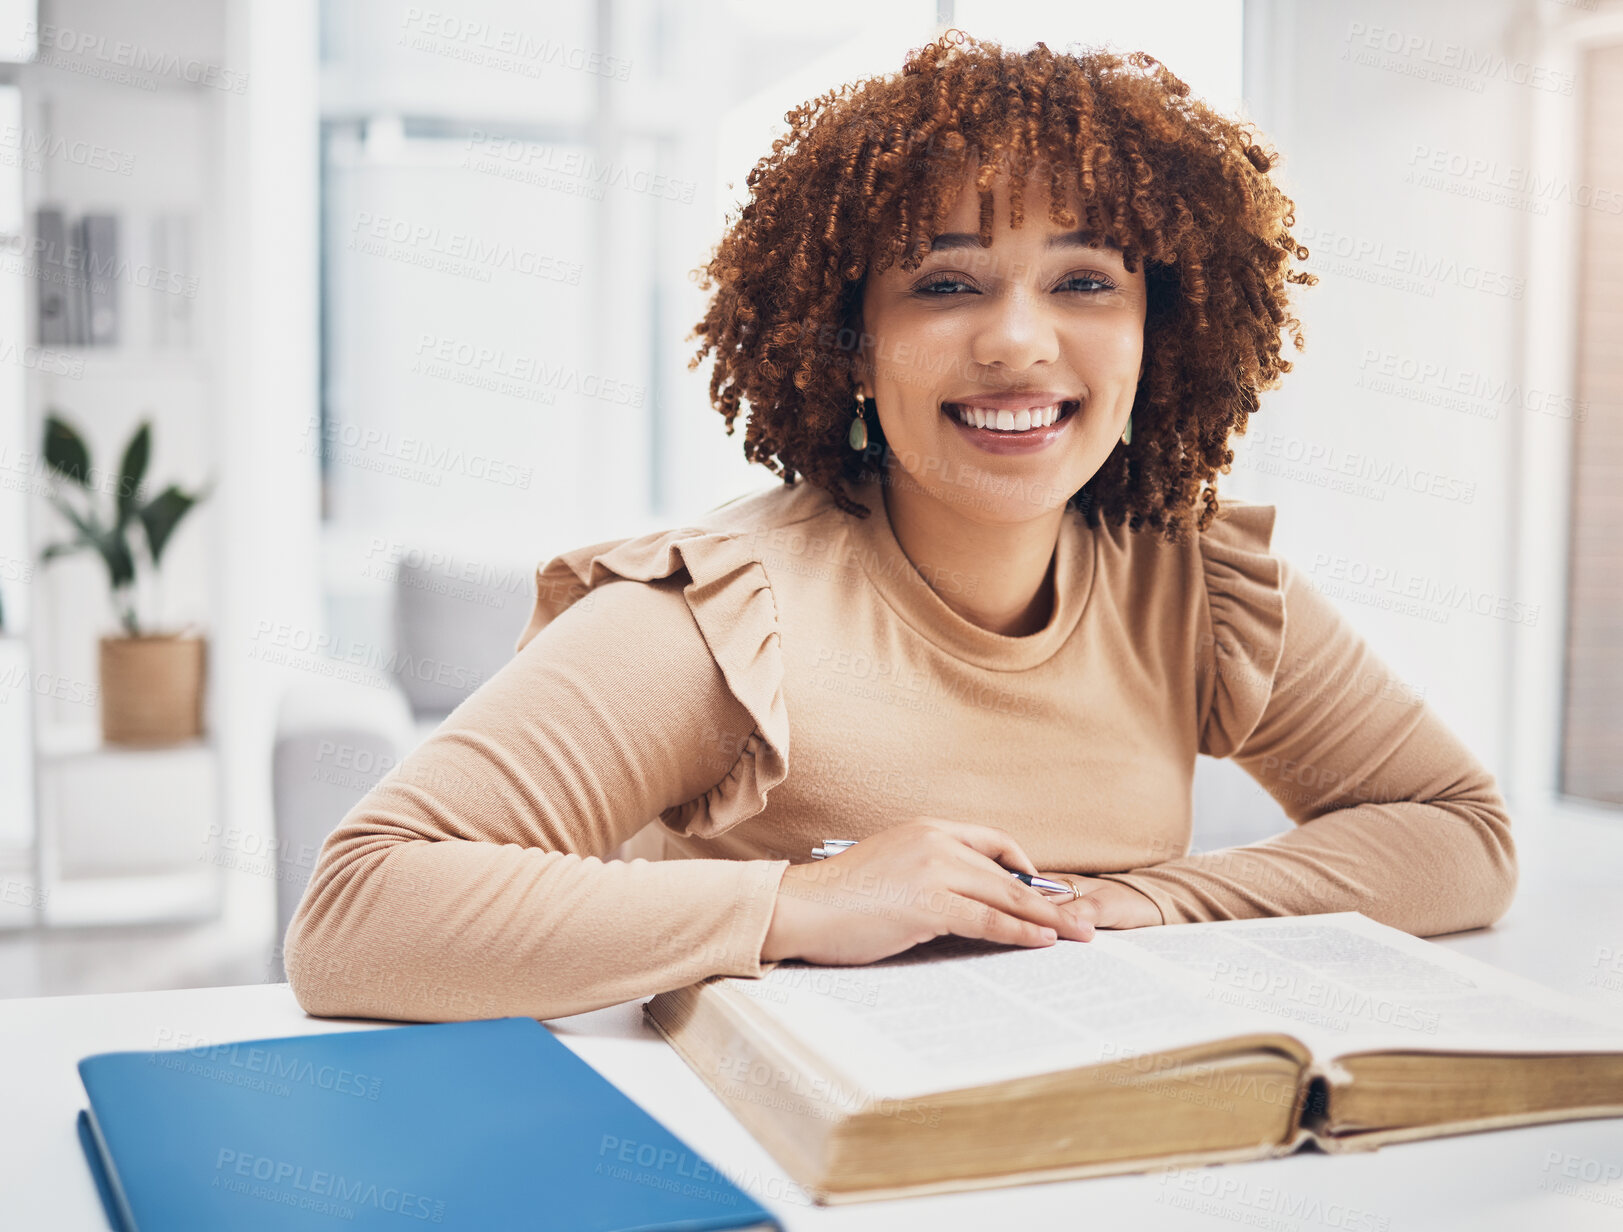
column 151, row 680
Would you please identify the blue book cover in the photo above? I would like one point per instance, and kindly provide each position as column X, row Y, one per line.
column 491, row 1124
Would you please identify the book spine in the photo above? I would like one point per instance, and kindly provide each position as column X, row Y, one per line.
column 101, row 278
column 1312, row 1117
column 115, row 1203
column 50, row 236
column 159, row 295
column 179, row 288
column 78, row 284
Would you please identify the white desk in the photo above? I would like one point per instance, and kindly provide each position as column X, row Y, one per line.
column 1569, row 906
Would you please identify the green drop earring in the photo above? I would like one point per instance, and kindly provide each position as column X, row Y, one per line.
column 857, row 437
column 1127, row 432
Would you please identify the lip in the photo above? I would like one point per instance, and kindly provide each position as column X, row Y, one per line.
column 1014, row 400
column 990, row 440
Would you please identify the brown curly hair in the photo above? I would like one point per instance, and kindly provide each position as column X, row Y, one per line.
column 866, row 172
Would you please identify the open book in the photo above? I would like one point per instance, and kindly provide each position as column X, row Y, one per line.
column 961, row 1064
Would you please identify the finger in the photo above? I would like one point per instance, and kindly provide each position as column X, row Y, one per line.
column 996, row 845
column 1085, row 910
column 993, row 885
column 1092, row 909
column 1104, row 905
column 971, row 917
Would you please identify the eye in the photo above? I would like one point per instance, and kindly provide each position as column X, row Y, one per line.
column 929, row 287
column 940, row 286
column 1098, row 282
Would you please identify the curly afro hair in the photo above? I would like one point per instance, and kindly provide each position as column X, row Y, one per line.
column 866, row 172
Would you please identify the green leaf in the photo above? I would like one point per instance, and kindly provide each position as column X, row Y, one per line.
column 65, row 451
column 63, row 549
column 90, row 531
column 160, row 516
column 133, row 469
column 114, row 548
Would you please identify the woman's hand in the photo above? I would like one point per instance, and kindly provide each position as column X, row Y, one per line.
column 1108, row 904
column 914, row 881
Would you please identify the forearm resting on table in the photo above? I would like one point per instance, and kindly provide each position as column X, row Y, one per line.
column 451, row 930
column 1425, row 867
column 467, row 884
column 1393, row 815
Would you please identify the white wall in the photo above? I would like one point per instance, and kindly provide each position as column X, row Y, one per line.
column 1392, row 450
column 1199, row 40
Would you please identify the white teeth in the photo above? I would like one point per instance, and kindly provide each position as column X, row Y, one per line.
column 1008, row 421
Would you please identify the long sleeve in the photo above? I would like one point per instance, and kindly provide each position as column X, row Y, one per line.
column 468, row 883
column 1394, row 817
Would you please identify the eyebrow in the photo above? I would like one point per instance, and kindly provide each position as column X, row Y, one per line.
column 964, row 239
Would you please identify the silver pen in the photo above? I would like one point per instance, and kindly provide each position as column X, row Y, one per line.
column 833, row 847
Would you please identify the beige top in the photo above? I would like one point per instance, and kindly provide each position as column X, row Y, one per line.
column 778, row 672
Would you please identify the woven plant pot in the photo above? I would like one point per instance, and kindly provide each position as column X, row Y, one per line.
column 151, row 689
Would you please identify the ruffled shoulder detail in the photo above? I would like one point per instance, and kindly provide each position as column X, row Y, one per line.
column 731, row 599
column 1243, row 633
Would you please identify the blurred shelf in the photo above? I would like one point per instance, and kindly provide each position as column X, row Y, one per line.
column 101, row 363
column 55, row 740
column 123, row 828
column 121, row 834
column 149, row 898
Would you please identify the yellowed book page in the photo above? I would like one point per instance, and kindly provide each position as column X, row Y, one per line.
column 955, row 1013
column 1343, row 983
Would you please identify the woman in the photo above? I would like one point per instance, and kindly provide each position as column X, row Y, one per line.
column 996, row 319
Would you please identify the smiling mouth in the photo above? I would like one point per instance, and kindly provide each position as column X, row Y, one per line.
column 1012, row 422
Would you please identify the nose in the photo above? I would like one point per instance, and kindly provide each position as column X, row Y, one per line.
column 1016, row 330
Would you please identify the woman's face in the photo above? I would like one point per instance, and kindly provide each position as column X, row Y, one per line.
column 987, row 334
